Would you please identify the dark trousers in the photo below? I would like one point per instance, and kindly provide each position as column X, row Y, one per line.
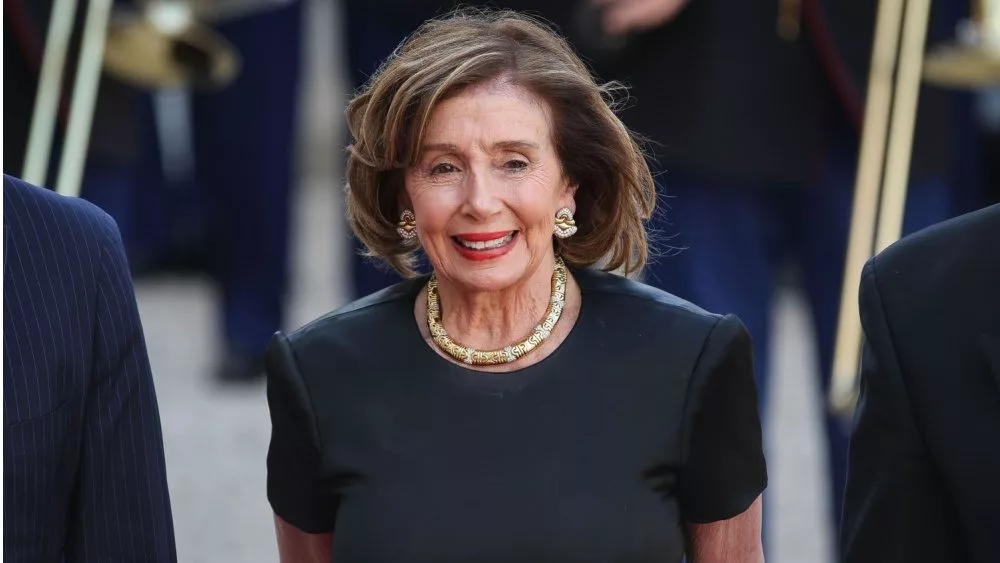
column 238, row 204
column 735, row 239
column 245, row 149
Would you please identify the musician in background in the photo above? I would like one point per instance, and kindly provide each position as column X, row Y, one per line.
column 230, row 215
column 924, row 463
column 245, row 148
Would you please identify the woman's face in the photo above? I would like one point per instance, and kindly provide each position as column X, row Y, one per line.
column 487, row 187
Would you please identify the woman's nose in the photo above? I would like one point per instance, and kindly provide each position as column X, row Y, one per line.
column 481, row 193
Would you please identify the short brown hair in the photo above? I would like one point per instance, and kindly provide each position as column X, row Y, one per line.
column 387, row 118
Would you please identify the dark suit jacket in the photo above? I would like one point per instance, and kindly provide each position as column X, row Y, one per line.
column 924, row 471
column 84, row 476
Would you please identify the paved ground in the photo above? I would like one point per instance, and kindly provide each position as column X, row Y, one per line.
column 216, row 438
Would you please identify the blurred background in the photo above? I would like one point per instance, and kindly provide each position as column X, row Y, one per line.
column 223, row 167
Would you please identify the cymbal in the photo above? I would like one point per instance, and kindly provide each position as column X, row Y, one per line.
column 141, row 53
column 962, row 66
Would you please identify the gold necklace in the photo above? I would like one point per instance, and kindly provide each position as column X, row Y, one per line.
column 509, row 353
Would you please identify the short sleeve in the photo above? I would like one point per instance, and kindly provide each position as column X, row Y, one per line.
column 723, row 469
column 295, row 483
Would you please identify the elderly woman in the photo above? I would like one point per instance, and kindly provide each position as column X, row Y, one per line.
column 517, row 403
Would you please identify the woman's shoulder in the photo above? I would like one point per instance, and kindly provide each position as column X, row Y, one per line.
column 335, row 356
column 354, row 321
column 640, row 300
column 659, row 322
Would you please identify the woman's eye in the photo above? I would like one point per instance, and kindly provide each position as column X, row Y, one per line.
column 443, row 168
column 516, row 165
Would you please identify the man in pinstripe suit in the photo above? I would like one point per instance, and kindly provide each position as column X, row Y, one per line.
column 83, row 474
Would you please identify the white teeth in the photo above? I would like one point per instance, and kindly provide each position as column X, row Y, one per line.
column 487, row 244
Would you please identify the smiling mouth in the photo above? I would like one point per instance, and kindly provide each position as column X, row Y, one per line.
column 490, row 244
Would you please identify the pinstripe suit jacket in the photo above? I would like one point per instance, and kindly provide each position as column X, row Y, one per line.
column 84, row 476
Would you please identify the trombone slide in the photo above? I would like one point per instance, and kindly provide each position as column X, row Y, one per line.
column 85, row 87
column 883, row 173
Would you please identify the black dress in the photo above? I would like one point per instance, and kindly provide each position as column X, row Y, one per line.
column 645, row 417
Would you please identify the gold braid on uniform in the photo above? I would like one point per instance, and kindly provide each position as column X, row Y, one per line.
column 509, row 353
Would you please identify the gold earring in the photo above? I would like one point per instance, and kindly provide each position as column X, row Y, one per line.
column 407, row 227
column 565, row 226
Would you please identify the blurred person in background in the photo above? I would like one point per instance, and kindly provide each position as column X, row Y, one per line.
column 518, row 403
column 228, row 212
column 84, row 477
column 241, row 185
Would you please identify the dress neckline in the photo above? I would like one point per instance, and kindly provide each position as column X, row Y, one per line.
column 496, row 382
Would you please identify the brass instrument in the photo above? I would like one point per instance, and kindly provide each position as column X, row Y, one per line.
column 160, row 45
column 973, row 60
column 165, row 46
column 898, row 65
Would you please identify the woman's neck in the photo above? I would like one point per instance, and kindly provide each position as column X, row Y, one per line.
column 494, row 319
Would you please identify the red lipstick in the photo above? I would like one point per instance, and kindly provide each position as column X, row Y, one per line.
column 478, row 247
